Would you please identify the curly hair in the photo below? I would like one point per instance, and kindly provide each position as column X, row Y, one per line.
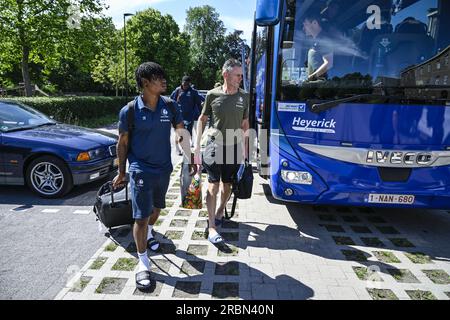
column 150, row 71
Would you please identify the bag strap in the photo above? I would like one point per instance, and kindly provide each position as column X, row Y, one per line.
column 171, row 105
column 233, row 209
column 130, row 119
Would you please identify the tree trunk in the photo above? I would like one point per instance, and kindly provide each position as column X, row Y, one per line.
column 26, row 71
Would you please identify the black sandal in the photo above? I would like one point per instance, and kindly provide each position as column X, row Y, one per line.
column 141, row 276
column 152, row 242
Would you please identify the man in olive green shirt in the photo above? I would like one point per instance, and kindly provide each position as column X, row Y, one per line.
column 228, row 107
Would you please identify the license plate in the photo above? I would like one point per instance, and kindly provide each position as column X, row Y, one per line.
column 116, row 162
column 391, row 198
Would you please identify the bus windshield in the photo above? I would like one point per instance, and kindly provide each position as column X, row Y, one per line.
column 334, row 49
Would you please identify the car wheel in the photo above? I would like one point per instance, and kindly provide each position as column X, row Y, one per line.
column 49, row 177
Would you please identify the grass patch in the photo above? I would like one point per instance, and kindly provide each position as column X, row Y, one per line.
column 98, row 263
column 386, row 257
column 111, row 247
column 401, row 242
column 418, row 257
column 173, row 235
column 354, row 255
column 81, row 284
column 111, row 286
column 373, row 242
column 382, row 294
column 437, row 276
column 343, row 241
column 164, row 212
column 420, row 295
column 199, row 235
column 403, row 275
column 203, row 214
column 365, row 274
column 125, row 264
column 228, row 250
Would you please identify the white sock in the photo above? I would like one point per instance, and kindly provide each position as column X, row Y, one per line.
column 144, row 265
column 149, row 232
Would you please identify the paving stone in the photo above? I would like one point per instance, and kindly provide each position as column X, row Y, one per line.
column 333, row 228
column 360, row 229
column 153, row 291
column 111, row 285
column 230, row 236
column 437, row 276
column 197, row 250
column 187, row 289
column 230, row 224
column 179, row 223
column 373, row 242
column 227, row 268
column 420, row 295
column 160, row 266
column 225, row 290
column 403, row 275
column 387, row 230
column 193, row 268
column 382, row 294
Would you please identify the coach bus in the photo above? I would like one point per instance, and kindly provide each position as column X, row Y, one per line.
column 350, row 101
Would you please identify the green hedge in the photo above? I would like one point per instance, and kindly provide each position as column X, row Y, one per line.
column 77, row 110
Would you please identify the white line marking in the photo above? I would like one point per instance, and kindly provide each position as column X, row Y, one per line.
column 50, row 210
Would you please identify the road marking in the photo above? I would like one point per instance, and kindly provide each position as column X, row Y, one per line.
column 82, row 212
column 50, row 210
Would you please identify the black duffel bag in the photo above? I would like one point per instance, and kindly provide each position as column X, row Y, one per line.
column 242, row 186
column 113, row 207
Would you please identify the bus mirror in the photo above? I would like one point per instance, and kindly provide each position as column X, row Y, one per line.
column 267, row 12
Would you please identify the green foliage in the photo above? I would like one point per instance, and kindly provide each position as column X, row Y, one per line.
column 207, row 34
column 154, row 37
column 76, row 110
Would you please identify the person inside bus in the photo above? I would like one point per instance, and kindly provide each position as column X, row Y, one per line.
column 320, row 54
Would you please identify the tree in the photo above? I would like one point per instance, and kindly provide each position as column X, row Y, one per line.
column 33, row 29
column 154, row 37
column 207, row 34
column 234, row 44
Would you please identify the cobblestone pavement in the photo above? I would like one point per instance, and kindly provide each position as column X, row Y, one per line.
column 279, row 251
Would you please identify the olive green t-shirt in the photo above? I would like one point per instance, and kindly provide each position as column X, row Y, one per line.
column 227, row 110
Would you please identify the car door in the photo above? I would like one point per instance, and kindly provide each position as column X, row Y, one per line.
column 2, row 161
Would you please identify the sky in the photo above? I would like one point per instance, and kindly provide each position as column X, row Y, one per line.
column 236, row 14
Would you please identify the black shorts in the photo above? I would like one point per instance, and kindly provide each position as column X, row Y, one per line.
column 216, row 164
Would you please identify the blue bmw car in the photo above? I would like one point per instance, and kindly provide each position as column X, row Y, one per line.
column 48, row 156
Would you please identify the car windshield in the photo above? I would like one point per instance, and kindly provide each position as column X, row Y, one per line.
column 15, row 117
column 335, row 49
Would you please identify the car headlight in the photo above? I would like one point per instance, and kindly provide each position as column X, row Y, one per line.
column 296, row 177
column 89, row 155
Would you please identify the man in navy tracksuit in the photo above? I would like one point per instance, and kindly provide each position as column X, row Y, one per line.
column 148, row 153
column 190, row 101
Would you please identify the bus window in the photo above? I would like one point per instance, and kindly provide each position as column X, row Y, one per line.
column 261, row 63
column 336, row 49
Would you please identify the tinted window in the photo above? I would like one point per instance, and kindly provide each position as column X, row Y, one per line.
column 333, row 49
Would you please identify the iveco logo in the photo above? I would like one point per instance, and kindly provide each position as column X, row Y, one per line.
column 398, row 158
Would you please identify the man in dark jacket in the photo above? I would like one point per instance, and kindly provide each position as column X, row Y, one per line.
column 190, row 101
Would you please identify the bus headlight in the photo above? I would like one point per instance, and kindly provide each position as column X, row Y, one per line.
column 296, row 177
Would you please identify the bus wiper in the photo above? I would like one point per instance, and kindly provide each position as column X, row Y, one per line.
column 320, row 107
